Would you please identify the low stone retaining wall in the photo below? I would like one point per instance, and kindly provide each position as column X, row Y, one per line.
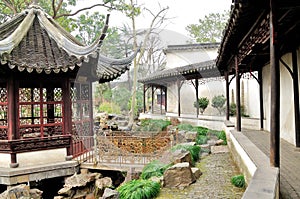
column 261, row 178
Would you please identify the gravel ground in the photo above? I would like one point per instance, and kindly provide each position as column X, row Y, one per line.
column 217, row 170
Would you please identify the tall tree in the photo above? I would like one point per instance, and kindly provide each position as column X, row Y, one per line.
column 132, row 11
column 209, row 29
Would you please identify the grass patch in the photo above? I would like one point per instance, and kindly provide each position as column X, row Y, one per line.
column 139, row 189
column 238, row 181
column 201, row 139
column 154, row 168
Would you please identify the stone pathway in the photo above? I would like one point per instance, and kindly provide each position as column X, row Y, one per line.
column 214, row 183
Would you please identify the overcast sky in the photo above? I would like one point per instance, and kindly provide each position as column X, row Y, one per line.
column 181, row 12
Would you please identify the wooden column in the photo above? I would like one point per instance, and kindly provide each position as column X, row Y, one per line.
column 144, row 105
column 197, row 95
column 91, row 114
column 161, row 93
column 12, row 116
column 275, row 89
column 152, row 101
column 178, row 94
column 238, row 96
column 227, row 95
column 166, row 97
column 261, row 100
column 67, row 111
column 296, row 97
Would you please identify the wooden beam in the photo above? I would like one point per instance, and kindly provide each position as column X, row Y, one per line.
column 238, row 96
column 261, row 100
column 296, row 97
column 275, row 88
column 197, row 95
column 166, row 97
column 161, row 93
column 12, row 107
column 178, row 94
column 144, row 100
column 152, row 100
column 67, row 111
column 227, row 95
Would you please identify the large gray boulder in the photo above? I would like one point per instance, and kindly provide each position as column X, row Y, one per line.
column 179, row 176
column 110, row 194
column 21, row 191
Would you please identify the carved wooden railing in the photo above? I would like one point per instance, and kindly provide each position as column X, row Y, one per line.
column 34, row 144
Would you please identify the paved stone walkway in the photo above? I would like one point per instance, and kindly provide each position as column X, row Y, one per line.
column 214, row 183
column 289, row 162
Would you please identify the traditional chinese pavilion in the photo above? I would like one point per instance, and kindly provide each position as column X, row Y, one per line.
column 46, row 80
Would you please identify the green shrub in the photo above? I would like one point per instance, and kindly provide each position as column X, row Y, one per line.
column 218, row 102
column 154, row 125
column 185, row 127
column 201, row 130
column 202, row 103
column 154, row 168
column 222, row 136
column 201, row 139
column 238, row 181
column 233, row 110
column 193, row 149
column 139, row 189
column 109, row 108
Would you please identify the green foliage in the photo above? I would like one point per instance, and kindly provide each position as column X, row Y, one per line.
column 238, row 181
column 233, row 110
column 185, row 127
column 202, row 103
column 201, row 139
column 201, row 130
column 121, row 96
column 218, row 102
column 209, row 29
column 109, row 107
column 154, row 168
column 89, row 26
column 139, row 189
column 193, row 149
column 138, row 102
column 222, row 135
column 154, row 125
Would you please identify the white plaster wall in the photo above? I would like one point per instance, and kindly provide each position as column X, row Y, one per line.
column 182, row 58
column 172, row 103
column 287, row 121
column 251, row 96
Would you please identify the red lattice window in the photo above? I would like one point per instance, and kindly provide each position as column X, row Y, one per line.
column 40, row 112
column 3, row 112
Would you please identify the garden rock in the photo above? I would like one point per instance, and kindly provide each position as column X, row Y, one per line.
column 219, row 142
column 180, row 156
column 110, row 194
column 178, row 176
column 103, row 182
column 157, row 179
column 191, row 136
column 196, row 171
column 219, row 149
column 80, row 180
column 21, row 191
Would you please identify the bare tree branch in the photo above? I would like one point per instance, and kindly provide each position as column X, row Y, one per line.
column 83, row 9
column 10, row 5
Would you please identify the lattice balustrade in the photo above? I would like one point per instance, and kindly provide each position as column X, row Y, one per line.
column 132, row 150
